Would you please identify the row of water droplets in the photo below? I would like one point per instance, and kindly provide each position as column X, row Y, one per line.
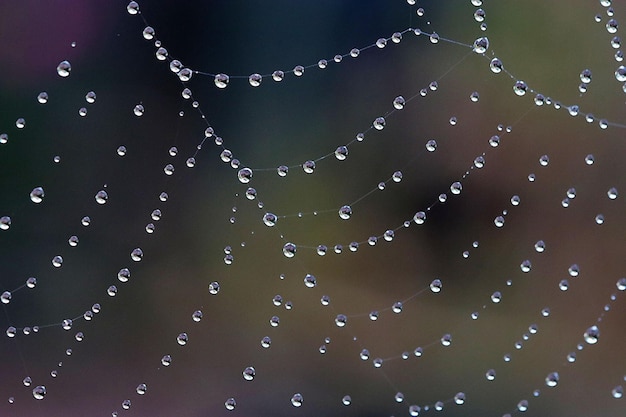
column 37, row 196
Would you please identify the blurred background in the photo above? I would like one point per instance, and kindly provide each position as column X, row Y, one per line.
column 207, row 215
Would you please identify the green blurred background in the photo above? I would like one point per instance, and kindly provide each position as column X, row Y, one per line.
column 547, row 44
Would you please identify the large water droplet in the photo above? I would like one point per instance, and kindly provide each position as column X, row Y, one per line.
column 289, row 250
column 341, row 320
column 481, row 45
column 249, row 373
column 102, row 197
column 39, row 392
column 36, row 196
column 592, row 335
column 297, row 399
column 270, row 219
column 230, row 404
column 552, row 379
column 345, row 212
column 310, row 281
column 136, row 254
column 64, row 68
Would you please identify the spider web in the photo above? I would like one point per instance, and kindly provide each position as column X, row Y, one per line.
column 483, row 232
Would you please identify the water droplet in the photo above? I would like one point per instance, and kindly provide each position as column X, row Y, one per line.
column 436, row 286
column 5, row 222
column 308, row 166
column 522, row 405
column 39, row 392
column 166, row 360
column 612, row 26
column 481, row 44
column 221, row 80
column 182, row 339
column 389, row 235
column 552, row 379
column 138, row 110
column 57, row 261
column 42, row 97
column 499, row 221
column 64, row 68
column 540, row 246
column 520, row 88
column 612, row 193
column 298, row 70
column 244, row 175
column 341, row 320
column 379, row 123
column 399, row 103
column 591, row 335
column 5, row 297
column 419, row 217
column 161, row 54
column 414, row 410
column 185, row 74
column 397, row 307
column 249, row 373
column 36, row 195
column 345, row 212
column 266, row 342
column 310, row 281
column 274, row 321
column 136, row 254
column 132, row 8
column 214, row 288
column 101, row 197
column 289, row 250
column 196, row 316
column 296, row 400
column 123, row 275
column 230, row 404
column 496, row 66
column 255, row 80
column 112, row 291
column 341, row 153
column 270, row 219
